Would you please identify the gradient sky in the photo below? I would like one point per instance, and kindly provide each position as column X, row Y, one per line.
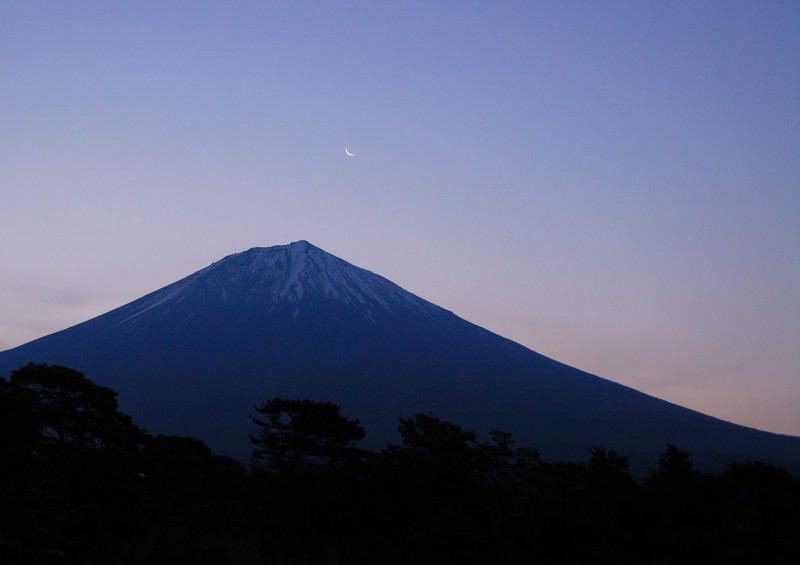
column 615, row 185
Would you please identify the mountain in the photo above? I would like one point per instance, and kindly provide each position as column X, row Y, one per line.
column 194, row 357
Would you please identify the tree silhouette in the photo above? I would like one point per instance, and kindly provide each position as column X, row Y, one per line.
column 79, row 483
column 297, row 436
column 19, row 438
column 435, row 451
column 75, row 414
column 609, row 471
column 673, row 465
column 84, row 453
column 677, row 503
column 766, row 516
column 20, row 468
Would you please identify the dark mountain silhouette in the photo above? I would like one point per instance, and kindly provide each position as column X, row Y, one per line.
column 194, row 357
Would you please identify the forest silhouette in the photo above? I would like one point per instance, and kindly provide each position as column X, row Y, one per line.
column 80, row 483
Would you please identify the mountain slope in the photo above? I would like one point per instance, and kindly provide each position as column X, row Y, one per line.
column 194, row 357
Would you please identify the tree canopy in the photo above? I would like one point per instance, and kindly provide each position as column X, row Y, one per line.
column 73, row 412
column 297, row 436
column 80, row 484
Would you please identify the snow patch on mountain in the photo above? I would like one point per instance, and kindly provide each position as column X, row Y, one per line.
column 290, row 272
column 296, row 274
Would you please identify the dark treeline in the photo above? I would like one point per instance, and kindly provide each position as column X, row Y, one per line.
column 80, row 483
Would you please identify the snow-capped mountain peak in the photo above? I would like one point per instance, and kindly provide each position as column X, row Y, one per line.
column 290, row 272
column 292, row 275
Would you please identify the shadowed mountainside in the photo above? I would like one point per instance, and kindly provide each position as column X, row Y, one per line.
column 194, row 357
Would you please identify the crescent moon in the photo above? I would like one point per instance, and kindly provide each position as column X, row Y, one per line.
column 348, row 153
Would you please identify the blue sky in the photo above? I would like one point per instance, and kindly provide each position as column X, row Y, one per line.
column 615, row 185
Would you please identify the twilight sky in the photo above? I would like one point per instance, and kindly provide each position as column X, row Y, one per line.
column 615, row 185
